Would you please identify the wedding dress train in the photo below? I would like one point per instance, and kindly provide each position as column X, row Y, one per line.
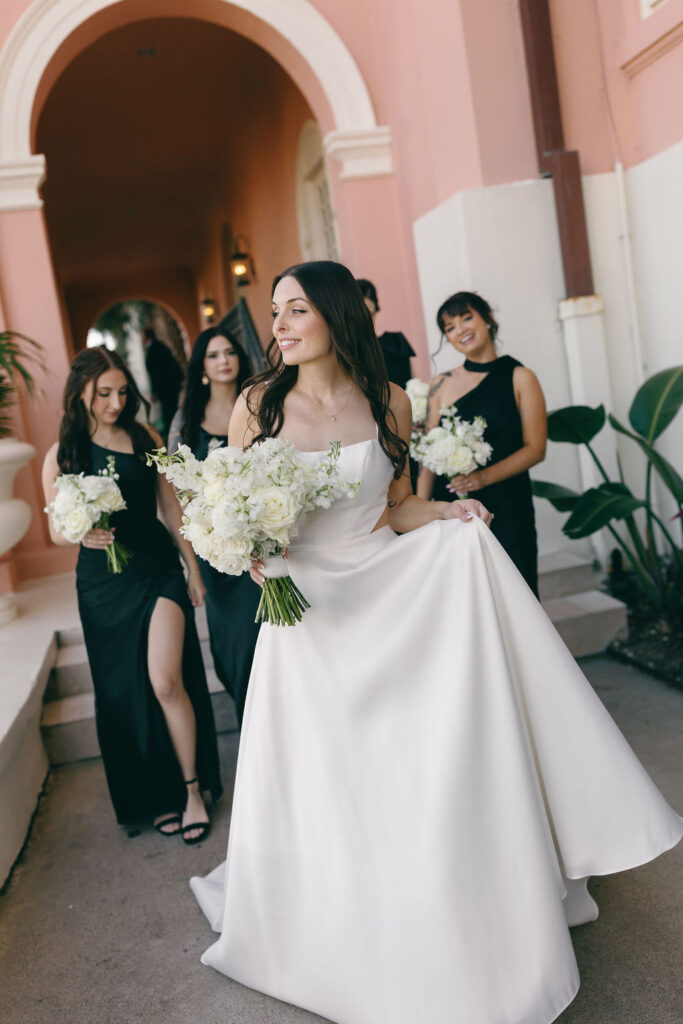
column 425, row 780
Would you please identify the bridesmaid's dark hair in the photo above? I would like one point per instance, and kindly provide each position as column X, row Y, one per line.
column 73, row 453
column 197, row 394
column 330, row 287
column 461, row 303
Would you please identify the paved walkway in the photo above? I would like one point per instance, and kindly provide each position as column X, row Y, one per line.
column 99, row 927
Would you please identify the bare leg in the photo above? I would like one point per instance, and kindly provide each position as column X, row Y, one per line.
column 165, row 665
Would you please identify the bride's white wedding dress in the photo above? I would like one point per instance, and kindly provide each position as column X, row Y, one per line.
column 422, row 771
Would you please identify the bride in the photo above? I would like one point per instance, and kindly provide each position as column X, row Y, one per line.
column 425, row 778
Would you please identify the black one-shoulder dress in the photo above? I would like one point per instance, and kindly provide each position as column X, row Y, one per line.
column 231, row 603
column 510, row 500
column 142, row 770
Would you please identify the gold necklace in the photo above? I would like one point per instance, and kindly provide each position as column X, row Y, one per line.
column 316, row 405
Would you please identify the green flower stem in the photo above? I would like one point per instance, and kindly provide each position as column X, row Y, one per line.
column 117, row 555
column 597, row 462
column 678, row 555
column 282, row 603
column 645, row 581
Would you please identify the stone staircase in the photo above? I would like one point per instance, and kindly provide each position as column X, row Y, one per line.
column 586, row 619
column 68, row 722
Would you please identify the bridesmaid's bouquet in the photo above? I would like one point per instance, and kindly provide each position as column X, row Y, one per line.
column 454, row 448
column 245, row 505
column 418, row 393
column 85, row 502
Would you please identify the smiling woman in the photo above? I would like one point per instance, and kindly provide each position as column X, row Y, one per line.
column 153, row 713
column 510, row 399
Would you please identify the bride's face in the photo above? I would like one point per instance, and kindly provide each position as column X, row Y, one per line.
column 300, row 331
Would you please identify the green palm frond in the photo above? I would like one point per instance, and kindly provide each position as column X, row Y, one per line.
column 20, row 358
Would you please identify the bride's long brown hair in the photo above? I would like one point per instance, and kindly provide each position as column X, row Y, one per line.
column 332, row 290
column 73, row 453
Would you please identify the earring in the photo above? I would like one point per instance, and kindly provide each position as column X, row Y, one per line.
column 205, row 379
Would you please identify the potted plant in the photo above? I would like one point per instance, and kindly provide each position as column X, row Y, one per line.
column 19, row 357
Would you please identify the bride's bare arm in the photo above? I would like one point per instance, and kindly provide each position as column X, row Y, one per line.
column 243, row 426
column 405, row 511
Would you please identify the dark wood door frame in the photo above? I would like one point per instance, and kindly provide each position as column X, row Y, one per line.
column 556, row 162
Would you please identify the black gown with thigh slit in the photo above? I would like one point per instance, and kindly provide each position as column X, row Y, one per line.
column 142, row 770
column 231, row 603
column 510, row 500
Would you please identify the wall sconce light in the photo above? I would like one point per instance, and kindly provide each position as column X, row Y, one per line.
column 241, row 263
column 208, row 308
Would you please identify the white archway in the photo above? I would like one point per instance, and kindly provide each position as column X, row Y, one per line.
column 357, row 141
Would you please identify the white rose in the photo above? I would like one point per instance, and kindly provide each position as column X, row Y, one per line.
column 214, row 491
column 274, row 509
column 76, row 523
column 111, row 499
column 460, row 461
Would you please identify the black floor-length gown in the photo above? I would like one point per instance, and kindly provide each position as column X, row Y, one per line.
column 142, row 769
column 510, row 500
column 231, row 603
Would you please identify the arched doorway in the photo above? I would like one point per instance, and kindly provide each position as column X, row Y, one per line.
column 121, row 328
column 310, row 74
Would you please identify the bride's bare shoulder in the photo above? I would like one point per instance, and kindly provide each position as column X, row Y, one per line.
column 244, row 424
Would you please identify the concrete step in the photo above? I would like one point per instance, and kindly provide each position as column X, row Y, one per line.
column 71, row 672
column 561, row 573
column 587, row 621
column 68, row 723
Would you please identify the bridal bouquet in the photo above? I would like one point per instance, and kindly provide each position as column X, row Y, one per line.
column 241, row 505
column 83, row 503
column 454, row 448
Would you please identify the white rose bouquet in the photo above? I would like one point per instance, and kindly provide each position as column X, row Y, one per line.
column 240, row 505
column 418, row 393
column 83, row 503
column 454, row 448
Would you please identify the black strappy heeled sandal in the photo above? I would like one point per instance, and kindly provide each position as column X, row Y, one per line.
column 203, row 825
column 170, row 819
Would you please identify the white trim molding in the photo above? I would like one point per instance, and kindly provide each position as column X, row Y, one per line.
column 46, row 24
column 19, row 183
column 364, row 153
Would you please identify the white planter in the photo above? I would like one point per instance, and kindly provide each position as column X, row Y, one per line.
column 15, row 514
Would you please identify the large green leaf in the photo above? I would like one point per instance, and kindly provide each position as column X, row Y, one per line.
column 656, row 403
column 577, row 424
column 598, row 507
column 562, row 498
column 667, row 472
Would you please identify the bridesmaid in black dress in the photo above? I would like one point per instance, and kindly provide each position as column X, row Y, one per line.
column 216, row 373
column 153, row 711
column 509, row 397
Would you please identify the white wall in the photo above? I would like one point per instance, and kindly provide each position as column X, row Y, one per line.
column 503, row 243
column 654, row 192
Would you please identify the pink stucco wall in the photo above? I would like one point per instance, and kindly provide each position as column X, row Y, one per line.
column 450, row 82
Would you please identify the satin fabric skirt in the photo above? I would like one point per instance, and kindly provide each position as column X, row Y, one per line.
column 425, row 781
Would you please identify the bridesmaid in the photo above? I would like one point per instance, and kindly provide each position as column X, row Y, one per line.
column 152, row 707
column 216, row 373
column 509, row 397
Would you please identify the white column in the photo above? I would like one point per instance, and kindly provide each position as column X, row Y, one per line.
column 583, row 333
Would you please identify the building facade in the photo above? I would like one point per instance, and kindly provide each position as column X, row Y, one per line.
column 423, row 144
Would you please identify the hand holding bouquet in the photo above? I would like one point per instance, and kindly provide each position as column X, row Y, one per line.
column 84, row 503
column 455, row 448
column 245, row 505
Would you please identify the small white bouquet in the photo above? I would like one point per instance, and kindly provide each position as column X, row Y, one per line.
column 418, row 393
column 85, row 502
column 454, row 448
column 241, row 505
